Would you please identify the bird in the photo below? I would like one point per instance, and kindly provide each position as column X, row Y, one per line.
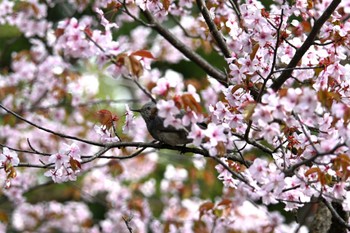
column 155, row 126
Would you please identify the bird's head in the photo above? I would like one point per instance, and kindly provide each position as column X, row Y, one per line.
column 148, row 111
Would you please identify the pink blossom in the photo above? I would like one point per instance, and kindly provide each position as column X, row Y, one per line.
column 339, row 109
column 105, row 135
column 221, row 111
column 72, row 150
column 162, row 87
column 258, row 169
column 129, row 120
column 167, row 108
column 215, row 133
column 8, row 157
column 248, row 65
column 104, row 22
column 59, row 159
column 236, row 73
column 191, row 117
column 173, row 121
column 197, row 134
column 55, row 174
column 339, row 190
column 226, row 176
column 262, row 115
column 271, row 131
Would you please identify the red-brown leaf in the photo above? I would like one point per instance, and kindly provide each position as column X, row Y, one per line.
column 143, row 53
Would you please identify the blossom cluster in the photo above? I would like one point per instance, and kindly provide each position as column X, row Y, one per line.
column 278, row 130
column 67, row 164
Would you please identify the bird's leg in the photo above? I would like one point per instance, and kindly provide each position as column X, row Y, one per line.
column 183, row 149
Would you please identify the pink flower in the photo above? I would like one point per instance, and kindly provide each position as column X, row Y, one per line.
column 248, row 65
column 59, row 159
column 225, row 175
column 275, row 182
column 263, row 37
column 9, row 157
column 129, row 120
column 339, row 191
column 167, row 108
column 173, row 121
column 236, row 120
column 191, row 117
column 258, row 169
column 105, row 135
column 221, row 111
column 162, row 87
column 262, row 115
column 196, row 134
column 72, row 150
column 271, row 131
column 55, row 174
column 104, row 22
column 215, row 133
column 236, row 73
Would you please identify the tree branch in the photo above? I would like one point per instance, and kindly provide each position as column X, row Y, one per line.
column 236, row 9
column 336, row 216
column 291, row 169
column 305, row 46
column 185, row 50
column 127, row 221
column 235, row 175
column 49, row 130
column 213, row 29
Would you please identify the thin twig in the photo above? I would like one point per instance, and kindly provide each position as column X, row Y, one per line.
column 49, row 130
column 298, row 68
column 305, row 46
column 291, row 169
column 22, row 151
column 306, row 134
column 128, row 78
column 137, row 19
column 36, row 151
column 275, row 50
column 254, row 143
column 323, row 44
column 236, row 9
column 127, row 221
column 79, row 105
column 234, row 174
column 182, row 27
column 149, row 95
column 241, row 155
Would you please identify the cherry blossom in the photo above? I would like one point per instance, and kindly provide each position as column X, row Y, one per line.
column 8, row 157
column 196, row 134
column 261, row 89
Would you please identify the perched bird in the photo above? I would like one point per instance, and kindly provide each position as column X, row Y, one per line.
column 155, row 125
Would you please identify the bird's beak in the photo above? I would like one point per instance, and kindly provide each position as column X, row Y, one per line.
column 136, row 110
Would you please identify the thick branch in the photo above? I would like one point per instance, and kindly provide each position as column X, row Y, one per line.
column 286, row 74
column 185, row 50
column 213, row 29
column 342, row 224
